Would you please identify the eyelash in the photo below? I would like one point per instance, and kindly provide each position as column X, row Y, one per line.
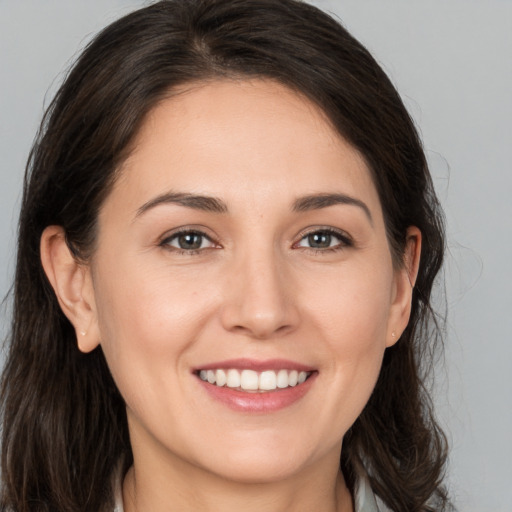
column 343, row 239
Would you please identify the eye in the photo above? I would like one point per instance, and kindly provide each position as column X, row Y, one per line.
column 322, row 239
column 188, row 241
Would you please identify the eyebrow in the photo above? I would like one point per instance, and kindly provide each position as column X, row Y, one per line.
column 196, row 202
column 215, row 205
column 319, row 201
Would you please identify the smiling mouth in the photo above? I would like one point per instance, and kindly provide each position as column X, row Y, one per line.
column 251, row 381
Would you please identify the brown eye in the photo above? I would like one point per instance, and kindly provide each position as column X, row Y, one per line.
column 325, row 239
column 319, row 240
column 188, row 241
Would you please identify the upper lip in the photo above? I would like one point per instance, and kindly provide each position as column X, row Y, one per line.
column 256, row 365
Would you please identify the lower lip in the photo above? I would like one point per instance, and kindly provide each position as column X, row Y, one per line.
column 259, row 402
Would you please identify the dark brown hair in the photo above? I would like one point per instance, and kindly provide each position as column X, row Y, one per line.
column 64, row 422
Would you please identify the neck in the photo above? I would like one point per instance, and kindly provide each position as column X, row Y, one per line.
column 186, row 488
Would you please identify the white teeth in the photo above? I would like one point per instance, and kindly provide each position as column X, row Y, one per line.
column 220, row 377
column 249, row 380
column 268, row 381
column 282, row 379
column 233, row 380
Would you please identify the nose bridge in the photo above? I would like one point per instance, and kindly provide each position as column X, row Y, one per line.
column 259, row 301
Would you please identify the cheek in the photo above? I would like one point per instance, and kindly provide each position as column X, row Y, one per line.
column 362, row 329
column 147, row 318
column 355, row 336
column 353, row 308
column 351, row 316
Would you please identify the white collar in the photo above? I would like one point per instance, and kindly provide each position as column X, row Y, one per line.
column 364, row 499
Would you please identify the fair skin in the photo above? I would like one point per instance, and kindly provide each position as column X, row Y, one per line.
column 242, row 233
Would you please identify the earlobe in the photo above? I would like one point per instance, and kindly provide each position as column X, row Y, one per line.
column 405, row 279
column 72, row 284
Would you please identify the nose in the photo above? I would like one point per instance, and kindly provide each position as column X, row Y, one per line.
column 258, row 298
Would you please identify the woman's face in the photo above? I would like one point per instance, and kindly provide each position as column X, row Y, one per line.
column 243, row 242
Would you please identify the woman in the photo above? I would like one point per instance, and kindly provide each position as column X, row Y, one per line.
column 227, row 245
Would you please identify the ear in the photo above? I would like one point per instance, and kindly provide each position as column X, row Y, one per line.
column 72, row 284
column 405, row 278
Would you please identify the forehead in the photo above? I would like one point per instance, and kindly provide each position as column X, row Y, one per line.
column 240, row 140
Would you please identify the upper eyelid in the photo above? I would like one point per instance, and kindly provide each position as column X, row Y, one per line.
column 330, row 229
column 188, row 229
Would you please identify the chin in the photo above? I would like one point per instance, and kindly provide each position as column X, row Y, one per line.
column 263, row 461
column 259, row 469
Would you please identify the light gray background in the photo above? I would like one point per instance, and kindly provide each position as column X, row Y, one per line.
column 452, row 62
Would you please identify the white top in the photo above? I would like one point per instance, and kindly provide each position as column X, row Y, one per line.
column 364, row 499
